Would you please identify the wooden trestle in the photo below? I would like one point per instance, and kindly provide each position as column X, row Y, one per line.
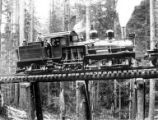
column 98, row 74
column 109, row 74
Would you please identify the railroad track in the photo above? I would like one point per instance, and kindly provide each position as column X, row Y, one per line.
column 98, row 74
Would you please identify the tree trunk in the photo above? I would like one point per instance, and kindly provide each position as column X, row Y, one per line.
column 87, row 19
column 82, row 99
column 153, row 33
column 21, row 21
column 0, row 26
column 78, row 97
column 48, row 94
column 62, row 102
column 32, row 22
column 152, row 99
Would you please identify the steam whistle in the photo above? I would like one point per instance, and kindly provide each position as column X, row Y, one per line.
column 123, row 32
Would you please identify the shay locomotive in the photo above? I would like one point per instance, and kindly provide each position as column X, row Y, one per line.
column 65, row 51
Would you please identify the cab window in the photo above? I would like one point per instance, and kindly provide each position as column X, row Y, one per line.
column 55, row 42
column 75, row 38
column 63, row 41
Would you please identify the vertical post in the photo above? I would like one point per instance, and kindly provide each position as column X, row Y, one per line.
column 1, row 98
column 62, row 102
column 38, row 105
column 130, row 102
column 77, row 100
column 144, row 98
column 48, row 94
column 97, row 99
column 31, row 102
column 134, row 100
column 115, row 94
column 152, row 45
column 16, row 99
column 140, row 94
column 85, row 106
column 119, row 102
column 87, row 97
column 92, row 84
column 21, row 21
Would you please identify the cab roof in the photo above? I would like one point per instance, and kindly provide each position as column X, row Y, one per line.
column 60, row 34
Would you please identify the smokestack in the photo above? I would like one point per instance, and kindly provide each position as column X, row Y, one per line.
column 123, row 31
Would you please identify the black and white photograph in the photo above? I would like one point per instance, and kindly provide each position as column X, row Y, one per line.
column 78, row 59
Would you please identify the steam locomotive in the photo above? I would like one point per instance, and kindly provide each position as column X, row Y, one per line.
column 65, row 51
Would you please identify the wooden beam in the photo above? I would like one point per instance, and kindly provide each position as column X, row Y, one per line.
column 87, row 97
column 38, row 105
column 140, row 96
column 31, row 102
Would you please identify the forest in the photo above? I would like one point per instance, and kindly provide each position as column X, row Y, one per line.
column 111, row 99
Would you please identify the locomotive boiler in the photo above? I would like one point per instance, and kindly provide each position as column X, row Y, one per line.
column 111, row 52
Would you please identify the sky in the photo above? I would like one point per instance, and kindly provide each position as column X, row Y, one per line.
column 124, row 9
